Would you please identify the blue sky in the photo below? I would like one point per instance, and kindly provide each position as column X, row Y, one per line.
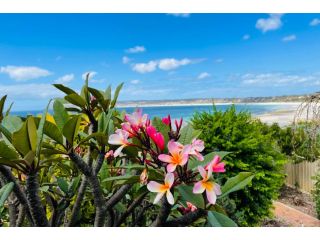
column 159, row 56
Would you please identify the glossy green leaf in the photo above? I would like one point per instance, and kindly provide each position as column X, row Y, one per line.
column 5, row 192
column 236, row 183
column 76, row 99
column 187, row 134
column 6, row 152
column 60, row 115
column 63, row 185
column 71, row 128
column 74, row 185
column 187, row 195
column 25, row 139
column 99, row 96
column 216, row 219
column 12, row 123
column 41, row 130
column 161, row 127
column 64, row 89
column 116, row 94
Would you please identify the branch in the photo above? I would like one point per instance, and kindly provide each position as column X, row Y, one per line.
column 132, row 206
column 163, row 213
column 99, row 201
column 21, row 196
column 186, row 219
column 37, row 211
column 118, row 195
column 21, row 215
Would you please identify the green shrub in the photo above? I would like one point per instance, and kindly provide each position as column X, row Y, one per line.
column 316, row 194
column 253, row 148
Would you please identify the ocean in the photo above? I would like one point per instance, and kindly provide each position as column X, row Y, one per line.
column 186, row 112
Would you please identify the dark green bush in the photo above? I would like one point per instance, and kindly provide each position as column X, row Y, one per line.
column 316, row 194
column 253, row 148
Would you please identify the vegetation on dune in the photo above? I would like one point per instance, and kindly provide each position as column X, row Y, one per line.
column 253, row 147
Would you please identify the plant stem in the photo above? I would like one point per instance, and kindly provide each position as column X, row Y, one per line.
column 187, row 219
column 37, row 211
column 163, row 213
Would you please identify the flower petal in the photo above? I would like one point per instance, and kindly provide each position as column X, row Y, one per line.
column 199, row 156
column 198, row 188
column 169, row 179
column 216, row 160
column 211, row 196
column 115, row 139
column 118, row 151
column 158, row 197
column 216, row 188
column 170, row 197
column 165, row 158
column 154, row 186
column 174, row 147
column 202, row 172
column 171, row 167
column 184, row 160
column 220, row 167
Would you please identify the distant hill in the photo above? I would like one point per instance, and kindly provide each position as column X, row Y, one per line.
column 291, row 98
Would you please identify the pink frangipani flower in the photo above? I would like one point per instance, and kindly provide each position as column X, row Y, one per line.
column 216, row 165
column 167, row 120
column 162, row 189
column 177, row 156
column 119, row 138
column 136, row 119
column 212, row 189
column 195, row 148
column 156, row 137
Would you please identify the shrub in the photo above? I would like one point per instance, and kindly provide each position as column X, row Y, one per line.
column 253, row 148
column 316, row 194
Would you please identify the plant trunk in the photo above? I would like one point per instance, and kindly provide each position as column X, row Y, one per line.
column 37, row 211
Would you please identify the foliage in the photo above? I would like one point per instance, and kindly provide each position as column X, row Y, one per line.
column 252, row 148
column 89, row 165
column 316, row 194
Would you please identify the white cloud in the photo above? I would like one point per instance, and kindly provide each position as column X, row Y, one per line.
column 203, row 75
column 278, row 79
column 125, row 60
column 65, row 79
column 218, row 60
column 289, row 38
column 145, row 67
column 136, row 49
column 246, row 37
column 23, row 73
column 30, row 91
column 172, row 63
column 92, row 74
column 315, row 22
column 183, row 15
column 135, row 81
column 269, row 24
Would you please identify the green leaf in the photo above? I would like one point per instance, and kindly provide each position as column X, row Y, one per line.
column 25, row 139
column 116, row 94
column 161, row 127
column 9, row 109
column 108, row 93
column 188, row 196
column 99, row 96
column 126, row 179
column 5, row 192
column 29, row 158
column 236, row 183
column 76, row 99
column 60, row 114
column 41, row 130
column 71, row 128
column 74, row 185
column 194, row 163
column 64, row 89
column 2, row 102
column 63, row 185
column 103, row 121
column 12, row 123
column 216, row 219
column 6, row 152
column 53, row 132
column 187, row 134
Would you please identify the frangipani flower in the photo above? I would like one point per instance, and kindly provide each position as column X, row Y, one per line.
column 167, row 120
column 195, row 148
column 136, row 119
column 156, row 137
column 119, row 138
column 191, row 207
column 216, row 165
column 212, row 189
column 162, row 189
column 177, row 156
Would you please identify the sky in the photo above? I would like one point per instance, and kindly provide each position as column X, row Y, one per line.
column 159, row 56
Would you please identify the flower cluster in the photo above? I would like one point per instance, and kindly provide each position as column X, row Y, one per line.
column 174, row 159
